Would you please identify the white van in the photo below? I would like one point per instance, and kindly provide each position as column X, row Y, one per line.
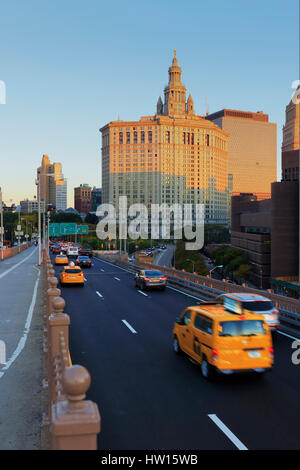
column 255, row 303
column 72, row 252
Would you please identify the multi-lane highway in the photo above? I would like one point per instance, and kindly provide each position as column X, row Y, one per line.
column 148, row 397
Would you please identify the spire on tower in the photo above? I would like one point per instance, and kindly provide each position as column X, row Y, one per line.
column 190, row 105
column 174, row 61
column 159, row 106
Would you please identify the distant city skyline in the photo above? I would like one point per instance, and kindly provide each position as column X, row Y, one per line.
column 68, row 72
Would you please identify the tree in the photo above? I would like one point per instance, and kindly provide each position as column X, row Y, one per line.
column 65, row 217
column 243, row 272
column 91, row 219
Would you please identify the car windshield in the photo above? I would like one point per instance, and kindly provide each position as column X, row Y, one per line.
column 72, row 271
column 153, row 273
column 258, row 305
column 242, row 328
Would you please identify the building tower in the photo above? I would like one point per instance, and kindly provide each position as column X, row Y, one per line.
column 175, row 91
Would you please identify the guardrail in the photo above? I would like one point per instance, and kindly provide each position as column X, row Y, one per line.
column 74, row 422
column 209, row 289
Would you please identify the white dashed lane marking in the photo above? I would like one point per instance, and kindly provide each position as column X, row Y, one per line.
column 129, row 327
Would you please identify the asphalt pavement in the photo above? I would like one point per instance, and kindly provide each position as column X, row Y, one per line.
column 148, row 397
column 164, row 257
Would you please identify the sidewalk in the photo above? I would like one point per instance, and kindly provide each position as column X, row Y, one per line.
column 21, row 328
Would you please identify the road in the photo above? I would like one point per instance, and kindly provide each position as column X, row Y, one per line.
column 164, row 257
column 148, row 397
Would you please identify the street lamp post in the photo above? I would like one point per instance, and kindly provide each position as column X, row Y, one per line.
column 26, row 233
column 211, row 270
column 1, row 227
column 191, row 262
column 30, row 223
column 37, row 182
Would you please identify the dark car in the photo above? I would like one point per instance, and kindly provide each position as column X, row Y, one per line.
column 56, row 249
column 84, row 261
column 145, row 279
column 86, row 252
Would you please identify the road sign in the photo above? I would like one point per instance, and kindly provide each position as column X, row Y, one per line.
column 54, row 230
column 83, row 229
column 19, row 227
column 18, row 233
column 68, row 229
column 26, row 236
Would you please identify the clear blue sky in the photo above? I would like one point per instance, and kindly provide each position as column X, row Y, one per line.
column 71, row 66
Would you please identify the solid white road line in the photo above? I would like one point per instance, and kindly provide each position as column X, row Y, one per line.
column 141, row 292
column 173, row 288
column 227, row 432
column 98, row 293
column 112, row 264
column 117, row 279
column 22, row 341
column 289, row 336
column 129, row 326
column 184, row 293
column 16, row 265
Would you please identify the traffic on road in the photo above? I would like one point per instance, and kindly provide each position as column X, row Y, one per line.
column 128, row 335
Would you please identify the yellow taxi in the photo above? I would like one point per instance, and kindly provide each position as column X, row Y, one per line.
column 222, row 341
column 72, row 275
column 61, row 259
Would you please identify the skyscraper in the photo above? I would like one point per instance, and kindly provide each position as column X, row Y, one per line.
column 252, row 150
column 172, row 157
column 53, row 185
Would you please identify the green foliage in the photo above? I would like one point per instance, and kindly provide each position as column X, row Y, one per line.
column 65, row 217
column 243, row 272
column 91, row 219
column 230, row 258
column 181, row 256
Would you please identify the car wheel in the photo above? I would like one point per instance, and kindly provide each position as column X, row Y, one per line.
column 163, row 288
column 176, row 347
column 205, row 368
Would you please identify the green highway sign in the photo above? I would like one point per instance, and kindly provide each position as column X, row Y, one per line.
column 68, row 229
column 54, row 230
column 82, row 229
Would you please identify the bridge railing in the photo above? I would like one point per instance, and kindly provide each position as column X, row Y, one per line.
column 209, row 289
column 9, row 252
column 74, row 422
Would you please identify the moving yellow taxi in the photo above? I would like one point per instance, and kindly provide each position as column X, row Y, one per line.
column 221, row 341
column 61, row 259
column 72, row 275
